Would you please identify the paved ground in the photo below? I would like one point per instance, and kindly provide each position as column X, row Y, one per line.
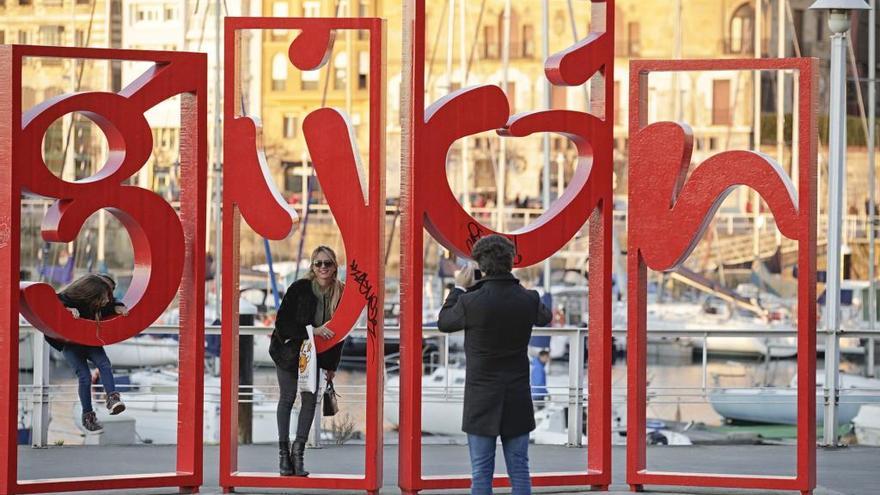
column 849, row 471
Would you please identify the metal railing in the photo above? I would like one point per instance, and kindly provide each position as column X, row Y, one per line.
column 576, row 397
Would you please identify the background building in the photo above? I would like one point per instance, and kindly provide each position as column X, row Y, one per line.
column 477, row 46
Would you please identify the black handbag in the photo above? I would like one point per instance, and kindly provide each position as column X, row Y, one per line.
column 331, row 406
column 284, row 354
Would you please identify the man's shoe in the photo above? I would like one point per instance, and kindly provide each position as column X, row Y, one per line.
column 114, row 403
column 90, row 422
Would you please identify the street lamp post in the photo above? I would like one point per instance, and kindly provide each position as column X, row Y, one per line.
column 839, row 23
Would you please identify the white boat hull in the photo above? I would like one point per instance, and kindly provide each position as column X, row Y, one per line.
column 772, row 406
column 143, row 351
column 867, row 425
column 779, row 406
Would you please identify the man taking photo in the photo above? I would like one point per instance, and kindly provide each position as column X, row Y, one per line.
column 497, row 315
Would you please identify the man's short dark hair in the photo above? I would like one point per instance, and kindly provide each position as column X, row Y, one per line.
column 494, row 254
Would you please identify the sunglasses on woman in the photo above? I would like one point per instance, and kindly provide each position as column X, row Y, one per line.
column 324, row 264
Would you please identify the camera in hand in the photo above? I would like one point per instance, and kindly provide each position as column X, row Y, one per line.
column 477, row 274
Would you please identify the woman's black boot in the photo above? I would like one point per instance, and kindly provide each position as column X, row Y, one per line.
column 284, row 465
column 298, row 453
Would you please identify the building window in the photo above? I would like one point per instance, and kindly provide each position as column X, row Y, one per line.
column 798, row 17
column 82, row 2
column 742, row 30
column 289, row 130
column 22, row 37
column 146, row 13
column 363, row 70
column 721, row 112
column 490, row 42
column 51, row 35
column 53, row 146
column 79, row 37
column 528, row 41
column 299, row 181
column 279, row 72
column 634, row 38
column 513, row 43
column 312, row 9
column 2, row 37
column 340, row 68
column 363, row 11
column 309, row 80
column 24, row 2
column 279, row 9
column 484, row 175
column 116, row 75
column 170, row 12
column 820, row 25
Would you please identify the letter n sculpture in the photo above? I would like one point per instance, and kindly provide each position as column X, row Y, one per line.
column 429, row 203
column 168, row 245
column 357, row 202
column 668, row 212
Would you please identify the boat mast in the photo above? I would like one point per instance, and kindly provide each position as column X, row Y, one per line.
column 756, row 123
column 872, row 178
column 465, row 142
column 218, row 165
column 501, row 174
column 780, row 94
column 545, row 171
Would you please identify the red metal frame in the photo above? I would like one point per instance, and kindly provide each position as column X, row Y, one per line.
column 428, row 202
column 159, row 237
column 360, row 214
column 668, row 212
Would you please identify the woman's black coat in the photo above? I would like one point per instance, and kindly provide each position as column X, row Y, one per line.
column 296, row 312
column 497, row 316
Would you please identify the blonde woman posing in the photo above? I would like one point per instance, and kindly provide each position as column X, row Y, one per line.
column 308, row 301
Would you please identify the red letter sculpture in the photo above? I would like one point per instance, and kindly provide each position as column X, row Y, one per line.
column 358, row 207
column 428, row 202
column 668, row 213
column 168, row 249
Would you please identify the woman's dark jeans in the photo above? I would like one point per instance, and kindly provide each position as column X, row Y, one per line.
column 288, row 383
column 77, row 357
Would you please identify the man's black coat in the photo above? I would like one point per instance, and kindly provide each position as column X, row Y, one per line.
column 497, row 315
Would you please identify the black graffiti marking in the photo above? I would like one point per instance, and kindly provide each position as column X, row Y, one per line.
column 476, row 232
column 366, row 289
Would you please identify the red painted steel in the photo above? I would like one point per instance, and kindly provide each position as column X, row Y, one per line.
column 357, row 204
column 160, row 238
column 429, row 203
column 668, row 213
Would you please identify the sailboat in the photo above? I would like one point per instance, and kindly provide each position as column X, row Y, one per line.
column 779, row 405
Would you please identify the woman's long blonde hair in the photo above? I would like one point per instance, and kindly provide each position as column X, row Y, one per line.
column 93, row 291
column 336, row 286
